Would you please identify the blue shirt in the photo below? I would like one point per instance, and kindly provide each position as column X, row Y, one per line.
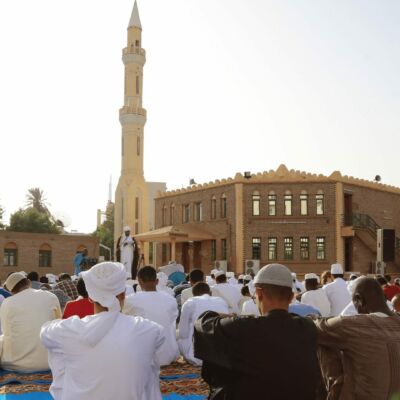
column 303, row 309
column 77, row 263
column 4, row 293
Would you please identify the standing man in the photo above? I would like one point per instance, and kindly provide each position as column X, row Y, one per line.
column 79, row 258
column 128, row 253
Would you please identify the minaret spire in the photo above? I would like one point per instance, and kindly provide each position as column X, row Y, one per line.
column 135, row 19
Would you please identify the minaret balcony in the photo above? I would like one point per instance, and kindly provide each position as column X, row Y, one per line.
column 134, row 50
column 132, row 110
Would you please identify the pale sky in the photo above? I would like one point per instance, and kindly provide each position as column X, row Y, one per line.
column 229, row 86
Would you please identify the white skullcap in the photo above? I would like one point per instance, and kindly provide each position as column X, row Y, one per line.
column 247, row 278
column 214, row 271
column 310, row 276
column 241, row 276
column 230, row 274
column 336, row 269
column 219, row 273
column 127, row 228
column 104, row 282
column 294, row 275
column 274, row 274
column 13, row 280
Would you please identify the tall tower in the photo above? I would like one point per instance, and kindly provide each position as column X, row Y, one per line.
column 131, row 195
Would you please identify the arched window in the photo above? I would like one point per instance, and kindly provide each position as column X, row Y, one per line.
column 45, row 255
column 303, row 203
column 271, row 203
column 223, row 206
column 319, row 198
column 256, row 198
column 288, row 202
column 172, row 214
column 213, row 207
column 10, row 255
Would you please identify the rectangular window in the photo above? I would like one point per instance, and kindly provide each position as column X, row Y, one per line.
column 213, row 208
column 223, row 249
column 44, row 258
column 213, row 250
column 288, row 204
column 136, row 207
column 320, row 204
column 272, row 248
column 256, row 204
column 186, row 213
column 137, row 85
column 256, row 248
column 321, row 253
column 304, row 204
column 288, row 248
column 10, row 257
column 223, row 207
column 304, row 248
column 272, row 204
column 198, row 212
column 164, row 216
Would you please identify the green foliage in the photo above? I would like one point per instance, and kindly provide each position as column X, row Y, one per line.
column 2, row 226
column 105, row 232
column 36, row 199
column 31, row 220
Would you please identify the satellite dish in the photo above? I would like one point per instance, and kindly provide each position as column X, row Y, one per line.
column 62, row 218
column 378, row 178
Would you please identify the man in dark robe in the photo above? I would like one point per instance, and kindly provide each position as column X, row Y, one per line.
column 282, row 363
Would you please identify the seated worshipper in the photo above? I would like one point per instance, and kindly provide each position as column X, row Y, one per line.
column 227, row 292
column 297, row 284
column 61, row 296
column 396, row 303
column 22, row 315
column 107, row 355
column 315, row 296
column 230, row 276
column 283, row 364
column 195, row 276
column 81, row 306
column 249, row 306
column 338, row 295
column 191, row 310
column 163, row 284
column 158, row 307
column 389, row 289
column 67, row 286
column 44, row 279
column 360, row 355
column 34, row 278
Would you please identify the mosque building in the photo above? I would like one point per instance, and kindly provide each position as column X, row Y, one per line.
column 134, row 197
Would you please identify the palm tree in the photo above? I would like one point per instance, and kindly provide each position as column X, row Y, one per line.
column 36, row 199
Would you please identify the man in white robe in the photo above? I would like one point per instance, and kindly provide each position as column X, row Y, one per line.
column 127, row 248
column 315, row 296
column 156, row 306
column 107, row 355
column 338, row 295
column 227, row 292
column 191, row 310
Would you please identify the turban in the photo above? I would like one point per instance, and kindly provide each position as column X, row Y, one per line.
column 104, row 282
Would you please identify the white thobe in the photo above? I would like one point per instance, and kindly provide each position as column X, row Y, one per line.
column 186, row 295
column 317, row 299
column 127, row 247
column 104, row 356
column 338, row 295
column 230, row 294
column 191, row 310
column 250, row 308
column 163, row 309
column 22, row 316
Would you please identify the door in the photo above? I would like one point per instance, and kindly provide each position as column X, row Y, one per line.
column 197, row 255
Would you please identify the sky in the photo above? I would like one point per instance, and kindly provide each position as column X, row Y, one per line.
column 229, row 86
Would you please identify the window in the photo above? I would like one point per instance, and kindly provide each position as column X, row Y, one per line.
column 213, row 208
column 164, row 215
column 10, row 255
column 272, row 248
column 304, row 204
column 198, row 212
column 223, row 206
column 172, row 214
column 137, row 85
column 45, row 256
column 138, row 146
column 256, row 248
column 223, row 249
column 320, row 203
column 136, row 207
column 256, row 203
column 304, row 248
column 186, row 213
column 137, row 43
column 288, row 204
column 288, row 248
column 213, row 250
column 321, row 254
column 272, row 204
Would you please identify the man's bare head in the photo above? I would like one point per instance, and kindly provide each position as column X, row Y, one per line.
column 396, row 303
column 368, row 297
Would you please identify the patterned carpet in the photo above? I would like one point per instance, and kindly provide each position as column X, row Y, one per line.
column 179, row 378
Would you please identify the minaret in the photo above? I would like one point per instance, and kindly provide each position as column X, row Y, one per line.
column 131, row 195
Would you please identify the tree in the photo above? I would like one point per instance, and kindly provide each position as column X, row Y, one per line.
column 105, row 232
column 2, row 226
column 31, row 220
column 36, row 199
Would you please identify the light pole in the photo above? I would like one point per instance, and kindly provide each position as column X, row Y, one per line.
column 106, row 248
